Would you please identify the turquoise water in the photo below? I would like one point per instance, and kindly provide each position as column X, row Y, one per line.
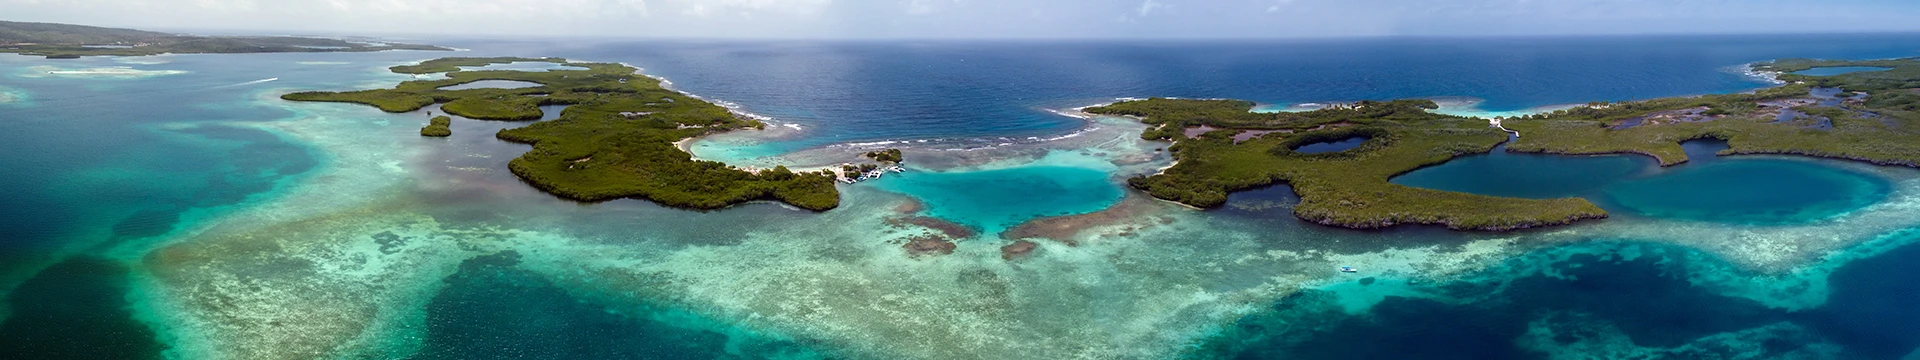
column 491, row 309
column 493, row 84
column 1837, row 70
column 1758, row 191
column 993, row 200
column 180, row 205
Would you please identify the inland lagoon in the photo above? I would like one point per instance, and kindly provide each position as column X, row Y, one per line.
column 1742, row 189
column 184, row 209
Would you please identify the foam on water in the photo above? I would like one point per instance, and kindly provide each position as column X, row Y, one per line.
column 144, row 60
column 1470, row 107
column 115, row 72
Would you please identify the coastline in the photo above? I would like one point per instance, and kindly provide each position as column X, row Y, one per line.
column 830, row 156
column 1199, row 184
column 1163, row 279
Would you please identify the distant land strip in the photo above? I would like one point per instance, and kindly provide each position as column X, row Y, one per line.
column 64, row 41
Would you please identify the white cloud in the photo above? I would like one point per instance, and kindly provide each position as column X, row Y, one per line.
column 1282, row 4
column 1147, row 7
column 923, row 7
column 227, row 5
column 748, row 7
column 636, row 7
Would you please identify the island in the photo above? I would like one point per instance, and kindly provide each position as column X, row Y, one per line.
column 615, row 140
column 65, row 41
column 1339, row 159
column 439, row 126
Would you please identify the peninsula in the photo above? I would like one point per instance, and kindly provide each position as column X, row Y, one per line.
column 616, row 140
column 64, row 41
column 1221, row 146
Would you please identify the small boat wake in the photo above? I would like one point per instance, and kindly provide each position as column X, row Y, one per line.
column 248, row 83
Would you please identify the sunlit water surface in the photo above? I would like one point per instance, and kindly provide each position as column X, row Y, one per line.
column 173, row 206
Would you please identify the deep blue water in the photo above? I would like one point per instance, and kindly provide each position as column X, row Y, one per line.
column 1706, row 188
column 92, row 163
column 1647, row 298
column 76, row 309
column 1763, row 191
column 1331, row 146
column 1500, row 173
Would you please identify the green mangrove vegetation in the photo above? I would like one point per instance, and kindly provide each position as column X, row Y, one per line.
column 64, row 41
column 1221, row 146
column 438, row 127
column 1235, row 149
column 1865, row 116
column 888, row 156
column 616, row 140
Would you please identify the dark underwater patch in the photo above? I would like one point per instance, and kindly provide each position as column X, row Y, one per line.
column 146, row 223
column 1647, row 298
column 1874, row 309
column 255, row 166
column 76, row 309
column 491, row 309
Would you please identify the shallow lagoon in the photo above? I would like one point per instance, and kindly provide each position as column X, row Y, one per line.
column 1534, row 176
column 991, row 201
column 492, row 84
column 1332, row 146
column 1754, row 190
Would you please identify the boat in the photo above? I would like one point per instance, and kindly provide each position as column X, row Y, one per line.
column 1349, row 269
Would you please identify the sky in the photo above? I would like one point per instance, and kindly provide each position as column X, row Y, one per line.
column 933, row 19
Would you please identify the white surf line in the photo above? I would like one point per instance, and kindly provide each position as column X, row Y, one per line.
column 249, row 83
column 1496, row 123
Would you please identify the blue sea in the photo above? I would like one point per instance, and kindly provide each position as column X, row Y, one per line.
column 174, row 207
